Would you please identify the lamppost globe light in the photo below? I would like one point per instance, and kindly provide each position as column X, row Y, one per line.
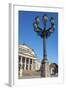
column 52, row 20
column 35, row 25
column 53, row 26
column 45, row 18
column 36, row 29
column 51, row 30
column 37, row 20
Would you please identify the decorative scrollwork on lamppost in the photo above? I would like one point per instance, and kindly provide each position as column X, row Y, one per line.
column 44, row 34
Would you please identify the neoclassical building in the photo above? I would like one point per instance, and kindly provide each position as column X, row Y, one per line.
column 27, row 60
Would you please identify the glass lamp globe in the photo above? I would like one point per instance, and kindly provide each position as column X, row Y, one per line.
column 45, row 18
column 35, row 25
column 52, row 20
column 51, row 30
column 37, row 20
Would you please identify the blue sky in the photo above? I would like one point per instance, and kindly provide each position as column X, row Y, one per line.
column 28, row 36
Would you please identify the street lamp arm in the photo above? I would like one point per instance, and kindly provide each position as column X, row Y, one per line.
column 49, row 32
column 39, row 33
column 39, row 28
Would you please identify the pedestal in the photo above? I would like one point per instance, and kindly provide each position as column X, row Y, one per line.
column 45, row 69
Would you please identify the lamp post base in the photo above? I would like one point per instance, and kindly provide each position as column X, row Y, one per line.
column 45, row 68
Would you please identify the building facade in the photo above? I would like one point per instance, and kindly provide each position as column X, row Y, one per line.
column 27, row 61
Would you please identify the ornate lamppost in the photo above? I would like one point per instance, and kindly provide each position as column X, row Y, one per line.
column 44, row 34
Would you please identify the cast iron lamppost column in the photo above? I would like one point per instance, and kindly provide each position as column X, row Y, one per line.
column 44, row 34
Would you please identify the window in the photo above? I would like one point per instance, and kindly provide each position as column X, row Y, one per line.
column 30, row 61
column 27, row 60
column 23, row 66
column 30, row 67
column 23, row 59
column 26, row 67
column 19, row 66
column 19, row 58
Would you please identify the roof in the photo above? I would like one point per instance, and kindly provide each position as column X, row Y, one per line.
column 27, row 51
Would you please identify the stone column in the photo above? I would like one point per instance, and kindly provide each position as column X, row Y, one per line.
column 32, row 65
column 29, row 64
column 25, row 64
column 20, row 72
